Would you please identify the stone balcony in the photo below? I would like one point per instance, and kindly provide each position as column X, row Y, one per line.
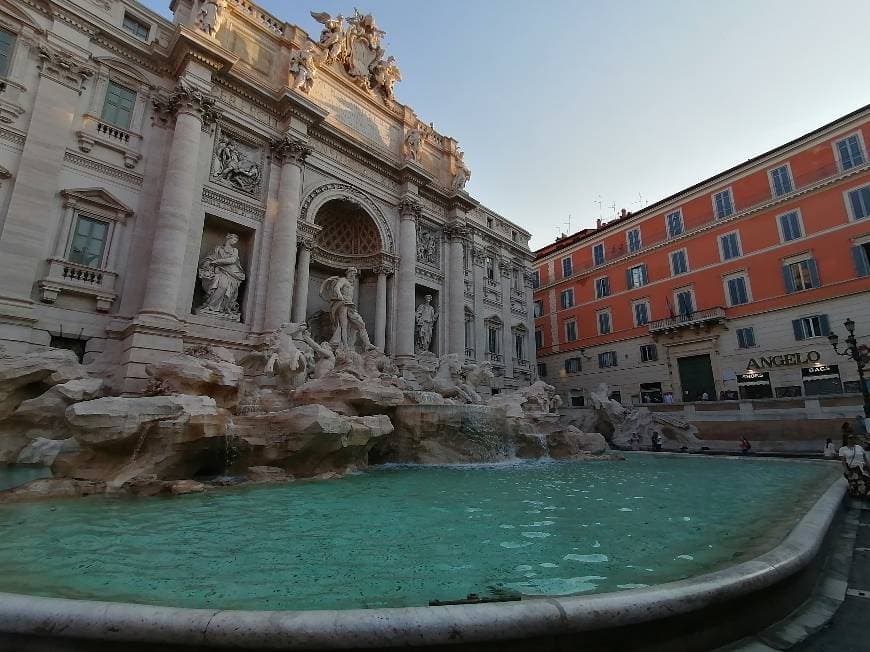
column 696, row 319
column 95, row 131
column 73, row 278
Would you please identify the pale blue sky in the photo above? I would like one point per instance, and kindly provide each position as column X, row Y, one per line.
column 558, row 106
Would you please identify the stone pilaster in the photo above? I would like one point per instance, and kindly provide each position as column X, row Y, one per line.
column 26, row 236
column 380, row 339
column 508, row 349
column 456, row 233
column 282, row 257
column 300, row 304
column 409, row 210
column 191, row 108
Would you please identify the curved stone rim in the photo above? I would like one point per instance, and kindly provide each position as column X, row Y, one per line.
column 419, row 626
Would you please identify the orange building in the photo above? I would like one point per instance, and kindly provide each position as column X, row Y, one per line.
column 726, row 288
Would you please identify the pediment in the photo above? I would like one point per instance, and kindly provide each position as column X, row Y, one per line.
column 97, row 198
column 19, row 14
column 122, row 67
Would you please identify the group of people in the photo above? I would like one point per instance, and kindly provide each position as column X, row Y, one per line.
column 856, row 462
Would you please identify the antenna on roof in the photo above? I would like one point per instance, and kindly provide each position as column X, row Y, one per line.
column 600, row 205
column 568, row 223
column 641, row 202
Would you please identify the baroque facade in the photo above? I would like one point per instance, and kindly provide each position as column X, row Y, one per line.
column 726, row 289
column 173, row 184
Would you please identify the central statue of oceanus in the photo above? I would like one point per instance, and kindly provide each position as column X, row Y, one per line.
column 347, row 323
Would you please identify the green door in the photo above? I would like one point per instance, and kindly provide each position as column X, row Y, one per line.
column 696, row 377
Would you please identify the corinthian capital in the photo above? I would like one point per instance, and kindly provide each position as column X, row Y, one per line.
column 290, row 150
column 187, row 98
column 410, row 208
column 456, row 231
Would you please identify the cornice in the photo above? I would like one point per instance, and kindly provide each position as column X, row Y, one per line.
column 186, row 44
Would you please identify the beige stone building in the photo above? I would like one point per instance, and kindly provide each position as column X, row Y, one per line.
column 172, row 184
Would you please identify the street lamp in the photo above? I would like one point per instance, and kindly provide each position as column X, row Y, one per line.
column 860, row 355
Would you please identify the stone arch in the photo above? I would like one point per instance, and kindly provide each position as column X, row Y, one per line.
column 319, row 196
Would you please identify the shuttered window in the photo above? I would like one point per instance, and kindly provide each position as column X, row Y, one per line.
column 802, row 275
column 850, row 152
column 745, row 338
column 860, row 202
column 118, row 105
column 861, row 256
column 7, row 43
column 780, row 179
column 641, row 313
column 790, row 225
column 807, row 327
column 636, row 277
column 737, row 292
column 89, row 241
column 602, row 287
column 723, row 203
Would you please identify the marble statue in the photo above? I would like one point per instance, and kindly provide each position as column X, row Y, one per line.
column 324, row 356
column 211, row 16
column 414, row 144
column 332, row 38
column 283, row 358
column 463, row 173
column 477, row 376
column 424, row 320
column 303, row 68
column 363, row 48
column 385, row 75
column 232, row 165
column 447, row 380
column 347, row 323
column 221, row 275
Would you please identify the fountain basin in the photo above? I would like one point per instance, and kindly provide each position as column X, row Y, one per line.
column 713, row 605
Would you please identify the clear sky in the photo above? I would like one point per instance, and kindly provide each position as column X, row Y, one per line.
column 567, row 106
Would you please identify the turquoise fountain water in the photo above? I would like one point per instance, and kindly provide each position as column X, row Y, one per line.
column 403, row 536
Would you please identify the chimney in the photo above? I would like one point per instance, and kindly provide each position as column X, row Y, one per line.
column 598, row 223
column 623, row 213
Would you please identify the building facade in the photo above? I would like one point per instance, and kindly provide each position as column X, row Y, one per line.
column 174, row 184
column 726, row 289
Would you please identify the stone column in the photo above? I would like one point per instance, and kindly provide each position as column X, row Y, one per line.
column 380, row 339
column 282, row 257
column 180, row 184
column 531, row 352
column 409, row 209
column 300, row 304
column 508, row 349
column 456, row 234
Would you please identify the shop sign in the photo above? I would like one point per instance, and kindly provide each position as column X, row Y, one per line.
column 753, row 377
column 787, row 360
column 821, row 370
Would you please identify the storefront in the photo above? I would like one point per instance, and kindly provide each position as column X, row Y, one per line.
column 754, row 384
column 822, row 379
column 651, row 393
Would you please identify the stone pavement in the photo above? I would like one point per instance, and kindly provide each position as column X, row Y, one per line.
column 837, row 618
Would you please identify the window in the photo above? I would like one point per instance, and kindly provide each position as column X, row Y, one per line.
column 516, row 284
column 539, row 339
column 685, row 301
column 577, row 398
column 737, row 290
column 88, row 242
column 514, row 236
column 542, row 370
column 602, row 287
column 493, row 339
column 723, row 204
column 648, row 353
column 675, row 223
column 859, row 202
column 567, row 267
column 801, row 275
column 489, row 266
column 536, row 279
column 641, row 313
column 571, row 331
column 520, row 345
column 607, row 359
column 636, row 277
column 807, row 327
column 790, row 227
column 469, row 334
column 780, row 181
column 729, row 246
column 679, row 262
column 567, row 298
column 573, row 366
column 604, row 325
column 861, row 256
column 136, row 26
column 118, row 105
column 7, row 44
column 745, row 337
column 539, row 308
column 489, row 222
column 850, row 152
column 598, row 254
column 633, row 240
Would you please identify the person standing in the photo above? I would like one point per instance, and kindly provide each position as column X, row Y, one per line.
column 656, row 441
column 830, row 451
column 745, row 446
column 855, row 465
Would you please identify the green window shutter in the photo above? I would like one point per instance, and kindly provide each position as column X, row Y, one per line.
column 824, row 324
column 814, row 272
column 862, row 265
column 798, row 327
column 788, row 278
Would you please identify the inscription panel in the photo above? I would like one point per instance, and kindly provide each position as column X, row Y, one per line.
column 352, row 115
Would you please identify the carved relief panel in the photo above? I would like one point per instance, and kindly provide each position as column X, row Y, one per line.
column 429, row 245
column 237, row 162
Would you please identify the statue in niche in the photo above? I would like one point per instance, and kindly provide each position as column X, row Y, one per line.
column 463, row 173
column 232, row 165
column 414, row 144
column 303, row 68
column 332, row 38
column 210, row 16
column 347, row 323
column 424, row 320
column 385, row 75
column 221, row 275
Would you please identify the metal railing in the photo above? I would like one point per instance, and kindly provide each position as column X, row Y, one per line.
column 694, row 318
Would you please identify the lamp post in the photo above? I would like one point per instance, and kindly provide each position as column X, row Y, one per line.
column 861, row 358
